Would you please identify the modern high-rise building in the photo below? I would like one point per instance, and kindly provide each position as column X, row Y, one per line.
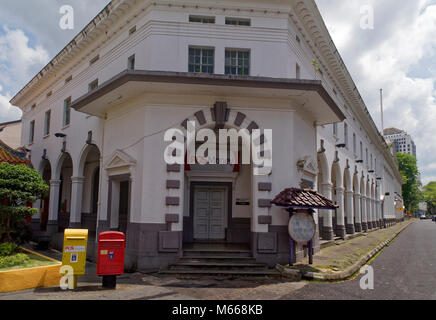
column 403, row 141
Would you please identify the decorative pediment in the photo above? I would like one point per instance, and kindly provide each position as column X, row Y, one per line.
column 119, row 159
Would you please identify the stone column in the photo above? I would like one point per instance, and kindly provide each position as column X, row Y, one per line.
column 350, row 212
column 364, row 215
column 357, row 213
column 52, row 225
column 376, row 219
column 76, row 202
column 369, row 213
column 340, row 229
column 327, row 228
column 379, row 213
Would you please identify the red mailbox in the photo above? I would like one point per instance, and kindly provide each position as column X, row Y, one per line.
column 110, row 259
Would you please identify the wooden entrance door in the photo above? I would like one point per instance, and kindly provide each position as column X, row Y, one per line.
column 123, row 207
column 209, row 212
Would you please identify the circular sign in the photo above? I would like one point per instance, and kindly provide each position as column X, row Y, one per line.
column 302, row 227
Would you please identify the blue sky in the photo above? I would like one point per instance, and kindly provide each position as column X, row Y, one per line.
column 398, row 55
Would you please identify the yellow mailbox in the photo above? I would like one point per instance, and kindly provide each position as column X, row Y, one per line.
column 74, row 254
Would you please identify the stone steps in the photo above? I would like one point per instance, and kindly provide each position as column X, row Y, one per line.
column 209, row 272
column 184, row 265
column 219, row 262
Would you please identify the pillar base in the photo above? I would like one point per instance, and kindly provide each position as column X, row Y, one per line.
column 364, row 227
column 327, row 233
column 358, row 227
column 369, row 225
column 52, row 227
column 340, row 231
column 350, row 229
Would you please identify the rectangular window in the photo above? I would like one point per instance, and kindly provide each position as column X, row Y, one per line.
column 132, row 30
column 335, row 129
column 47, row 123
column 94, row 60
column 297, row 71
column 371, row 162
column 201, row 19
column 93, row 85
column 67, row 111
column 237, row 62
column 201, row 60
column 346, row 134
column 361, row 150
column 354, row 144
column 32, row 131
column 238, row 22
column 131, row 63
column 367, row 162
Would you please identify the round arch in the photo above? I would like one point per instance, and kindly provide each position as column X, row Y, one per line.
column 60, row 162
column 86, row 150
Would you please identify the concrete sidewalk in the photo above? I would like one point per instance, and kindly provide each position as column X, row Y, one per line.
column 346, row 257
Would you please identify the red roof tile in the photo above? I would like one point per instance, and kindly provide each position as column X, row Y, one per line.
column 303, row 198
column 9, row 155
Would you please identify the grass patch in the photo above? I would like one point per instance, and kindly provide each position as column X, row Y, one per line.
column 23, row 260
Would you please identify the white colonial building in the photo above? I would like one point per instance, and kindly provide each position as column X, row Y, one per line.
column 95, row 118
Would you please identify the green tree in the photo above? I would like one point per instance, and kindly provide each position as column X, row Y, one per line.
column 430, row 196
column 409, row 170
column 19, row 186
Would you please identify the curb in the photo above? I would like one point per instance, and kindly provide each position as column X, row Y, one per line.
column 297, row 275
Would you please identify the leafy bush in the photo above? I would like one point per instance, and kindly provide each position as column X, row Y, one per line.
column 15, row 260
column 7, row 249
column 19, row 186
column 21, row 232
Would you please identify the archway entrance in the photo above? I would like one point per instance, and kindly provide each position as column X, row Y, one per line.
column 45, row 201
column 65, row 174
column 90, row 170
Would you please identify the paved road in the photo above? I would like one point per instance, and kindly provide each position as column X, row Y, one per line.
column 404, row 270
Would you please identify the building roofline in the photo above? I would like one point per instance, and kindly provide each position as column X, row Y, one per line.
column 208, row 79
column 10, row 122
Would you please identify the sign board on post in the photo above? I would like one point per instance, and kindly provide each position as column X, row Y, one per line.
column 302, row 227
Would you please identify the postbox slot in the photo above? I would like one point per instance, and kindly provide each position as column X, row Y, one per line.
column 76, row 238
column 111, row 240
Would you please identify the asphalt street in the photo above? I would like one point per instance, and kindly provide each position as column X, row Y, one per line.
column 406, row 269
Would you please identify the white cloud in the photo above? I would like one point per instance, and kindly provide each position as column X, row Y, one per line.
column 403, row 41
column 7, row 111
column 18, row 64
